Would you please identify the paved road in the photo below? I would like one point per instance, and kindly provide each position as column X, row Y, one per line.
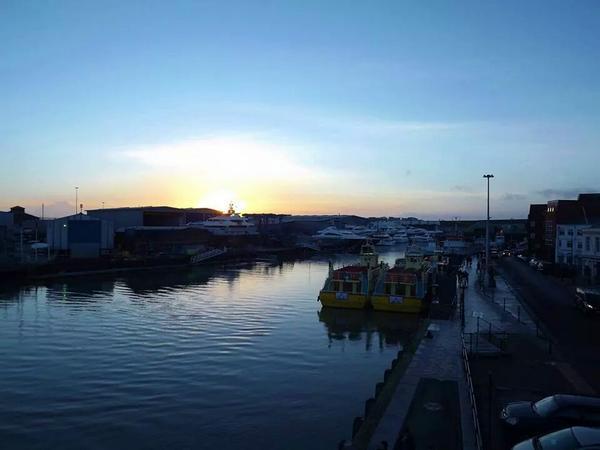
column 577, row 336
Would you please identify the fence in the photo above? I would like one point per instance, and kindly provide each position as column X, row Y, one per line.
column 477, row 429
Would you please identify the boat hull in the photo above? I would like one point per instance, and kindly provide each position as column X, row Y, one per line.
column 394, row 303
column 348, row 300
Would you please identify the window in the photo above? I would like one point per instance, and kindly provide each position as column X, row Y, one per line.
column 569, row 244
column 579, row 245
column 561, row 232
column 579, row 232
column 570, row 232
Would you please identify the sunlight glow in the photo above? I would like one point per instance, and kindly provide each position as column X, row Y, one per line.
column 220, row 200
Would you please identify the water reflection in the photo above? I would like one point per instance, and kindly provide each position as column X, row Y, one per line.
column 387, row 328
column 242, row 351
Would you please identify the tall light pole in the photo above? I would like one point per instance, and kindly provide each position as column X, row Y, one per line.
column 76, row 198
column 487, row 228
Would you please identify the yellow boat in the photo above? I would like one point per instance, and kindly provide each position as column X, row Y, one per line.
column 406, row 287
column 351, row 286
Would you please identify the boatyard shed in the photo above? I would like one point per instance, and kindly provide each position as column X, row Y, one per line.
column 80, row 236
column 152, row 216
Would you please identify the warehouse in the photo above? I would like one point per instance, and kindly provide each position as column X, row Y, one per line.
column 80, row 236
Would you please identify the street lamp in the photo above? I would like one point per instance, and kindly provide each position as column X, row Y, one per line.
column 487, row 228
column 76, row 198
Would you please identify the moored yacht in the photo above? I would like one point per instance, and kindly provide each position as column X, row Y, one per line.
column 332, row 236
column 230, row 224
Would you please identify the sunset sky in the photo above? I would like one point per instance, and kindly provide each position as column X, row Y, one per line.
column 372, row 108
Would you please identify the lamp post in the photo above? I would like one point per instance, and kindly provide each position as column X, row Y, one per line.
column 76, row 198
column 487, row 228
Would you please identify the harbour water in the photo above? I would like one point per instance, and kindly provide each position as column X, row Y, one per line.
column 235, row 357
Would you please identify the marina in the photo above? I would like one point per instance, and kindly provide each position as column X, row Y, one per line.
column 233, row 356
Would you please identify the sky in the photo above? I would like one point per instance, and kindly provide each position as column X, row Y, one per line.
column 374, row 108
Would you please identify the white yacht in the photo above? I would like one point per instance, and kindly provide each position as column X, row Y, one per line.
column 230, row 224
column 425, row 242
column 401, row 238
column 331, row 236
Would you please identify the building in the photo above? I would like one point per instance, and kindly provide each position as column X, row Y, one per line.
column 535, row 229
column 152, row 216
column 17, row 230
column 590, row 255
column 565, row 221
column 80, row 236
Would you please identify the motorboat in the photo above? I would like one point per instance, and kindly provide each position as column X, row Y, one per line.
column 332, row 236
column 230, row 224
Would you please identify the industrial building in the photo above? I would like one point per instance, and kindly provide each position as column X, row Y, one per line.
column 80, row 236
column 152, row 216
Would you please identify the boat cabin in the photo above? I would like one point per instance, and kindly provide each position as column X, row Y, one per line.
column 349, row 279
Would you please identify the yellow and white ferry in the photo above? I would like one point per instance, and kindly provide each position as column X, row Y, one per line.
column 407, row 286
column 351, row 286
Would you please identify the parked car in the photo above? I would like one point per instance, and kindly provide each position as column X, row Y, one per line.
column 550, row 413
column 522, row 257
column 588, row 300
column 506, row 253
column 533, row 262
column 574, row 438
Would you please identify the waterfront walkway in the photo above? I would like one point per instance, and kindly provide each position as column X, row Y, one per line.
column 498, row 306
column 438, row 358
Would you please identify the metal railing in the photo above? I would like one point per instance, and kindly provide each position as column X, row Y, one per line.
column 471, row 392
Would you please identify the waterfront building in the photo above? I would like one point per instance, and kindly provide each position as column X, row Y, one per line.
column 590, row 255
column 152, row 216
column 17, row 230
column 535, row 229
column 565, row 221
column 80, row 236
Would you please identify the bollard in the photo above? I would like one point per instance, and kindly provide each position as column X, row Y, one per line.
column 369, row 406
column 358, row 421
column 386, row 374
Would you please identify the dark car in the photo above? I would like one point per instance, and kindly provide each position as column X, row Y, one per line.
column 550, row 413
column 588, row 300
column 576, row 438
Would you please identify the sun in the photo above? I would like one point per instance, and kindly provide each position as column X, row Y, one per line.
column 221, row 199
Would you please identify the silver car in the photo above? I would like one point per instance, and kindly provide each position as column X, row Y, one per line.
column 575, row 438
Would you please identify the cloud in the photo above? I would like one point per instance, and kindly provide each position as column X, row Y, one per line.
column 566, row 194
column 513, row 197
column 366, row 126
column 227, row 158
column 461, row 188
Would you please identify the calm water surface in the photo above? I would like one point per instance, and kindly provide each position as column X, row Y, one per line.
column 236, row 357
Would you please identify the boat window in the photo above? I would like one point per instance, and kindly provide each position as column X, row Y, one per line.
column 348, row 286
